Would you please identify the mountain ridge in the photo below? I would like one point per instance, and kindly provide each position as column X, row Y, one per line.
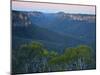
column 34, row 32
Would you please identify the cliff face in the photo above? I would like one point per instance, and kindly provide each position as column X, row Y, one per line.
column 20, row 19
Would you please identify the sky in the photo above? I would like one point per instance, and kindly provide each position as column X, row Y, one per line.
column 52, row 8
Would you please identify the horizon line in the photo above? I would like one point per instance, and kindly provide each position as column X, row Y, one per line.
column 52, row 12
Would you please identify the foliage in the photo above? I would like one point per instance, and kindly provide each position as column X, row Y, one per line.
column 39, row 59
column 81, row 56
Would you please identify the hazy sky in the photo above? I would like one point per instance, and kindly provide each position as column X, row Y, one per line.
column 52, row 8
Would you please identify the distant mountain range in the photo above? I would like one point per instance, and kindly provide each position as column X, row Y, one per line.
column 54, row 30
column 76, row 25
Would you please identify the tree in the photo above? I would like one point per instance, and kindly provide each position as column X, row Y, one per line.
column 28, row 57
column 74, row 58
column 81, row 56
